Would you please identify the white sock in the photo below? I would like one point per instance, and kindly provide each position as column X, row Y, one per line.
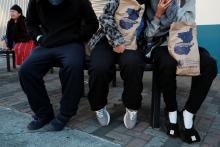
column 188, row 119
column 173, row 117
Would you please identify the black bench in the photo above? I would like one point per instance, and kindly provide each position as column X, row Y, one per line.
column 8, row 53
column 155, row 99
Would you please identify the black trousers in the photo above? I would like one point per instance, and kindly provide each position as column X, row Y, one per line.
column 166, row 68
column 101, row 72
column 70, row 58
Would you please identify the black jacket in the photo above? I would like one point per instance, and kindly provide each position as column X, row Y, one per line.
column 17, row 32
column 71, row 21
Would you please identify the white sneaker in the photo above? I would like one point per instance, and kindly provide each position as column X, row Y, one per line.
column 130, row 118
column 103, row 117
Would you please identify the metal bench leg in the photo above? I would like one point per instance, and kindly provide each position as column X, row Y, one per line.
column 155, row 102
column 114, row 79
column 8, row 62
column 84, row 88
column 13, row 60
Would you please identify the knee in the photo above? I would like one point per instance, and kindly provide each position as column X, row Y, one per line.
column 132, row 63
column 211, row 69
column 167, row 66
column 73, row 67
column 24, row 70
column 100, row 68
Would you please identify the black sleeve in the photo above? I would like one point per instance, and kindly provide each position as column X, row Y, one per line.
column 90, row 22
column 32, row 20
column 9, row 37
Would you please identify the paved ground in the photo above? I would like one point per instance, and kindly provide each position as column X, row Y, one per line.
column 14, row 133
column 207, row 121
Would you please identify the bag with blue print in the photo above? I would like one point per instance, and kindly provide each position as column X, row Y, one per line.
column 128, row 18
column 183, row 47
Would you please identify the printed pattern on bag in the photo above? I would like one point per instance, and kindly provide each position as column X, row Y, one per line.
column 128, row 18
column 183, row 47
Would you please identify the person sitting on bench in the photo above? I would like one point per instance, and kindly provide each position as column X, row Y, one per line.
column 60, row 28
column 115, row 42
column 161, row 14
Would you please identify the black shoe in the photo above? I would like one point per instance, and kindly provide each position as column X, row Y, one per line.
column 172, row 129
column 58, row 123
column 188, row 135
column 38, row 123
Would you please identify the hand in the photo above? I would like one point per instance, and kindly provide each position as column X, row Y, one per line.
column 162, row 7
column 39, row 39
column 119, row 49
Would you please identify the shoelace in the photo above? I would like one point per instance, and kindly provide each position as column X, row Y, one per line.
column 132, row 115
column 100, row 113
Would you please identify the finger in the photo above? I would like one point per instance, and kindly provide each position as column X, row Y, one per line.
column 123, row 49
column 120, row 51
column 161, row 2
column 164, row 1
column 167, row 6
column 168, row 2
column 116, row 50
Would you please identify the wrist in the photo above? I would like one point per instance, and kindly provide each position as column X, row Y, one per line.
column 158, row 15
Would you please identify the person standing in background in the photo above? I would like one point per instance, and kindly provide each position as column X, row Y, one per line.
column 17, row 35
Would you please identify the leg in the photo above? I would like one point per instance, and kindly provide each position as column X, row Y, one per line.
column 201, row 84
column 101, row 72
column 165, row 70
column 114, row 79
column 8, row 61
column 155, row 101
column 31, row 76
column 132, row 69
column 71, row 57
column 166, row 67
column 199, row 90
column 13, row 59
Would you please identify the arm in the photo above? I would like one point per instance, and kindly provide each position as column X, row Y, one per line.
column 9, row 38
column 187, row 12
column 90, row 23
column 153, row 26
column 32, row 21
column 108, row 24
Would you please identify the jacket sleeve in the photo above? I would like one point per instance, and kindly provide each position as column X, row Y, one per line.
column 186, row 13
column 108, row 24
column 32, row 20
column 9, row 37
column 90, row 22
column 153, row 27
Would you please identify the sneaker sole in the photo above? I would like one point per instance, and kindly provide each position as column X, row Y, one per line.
column 126, row 125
